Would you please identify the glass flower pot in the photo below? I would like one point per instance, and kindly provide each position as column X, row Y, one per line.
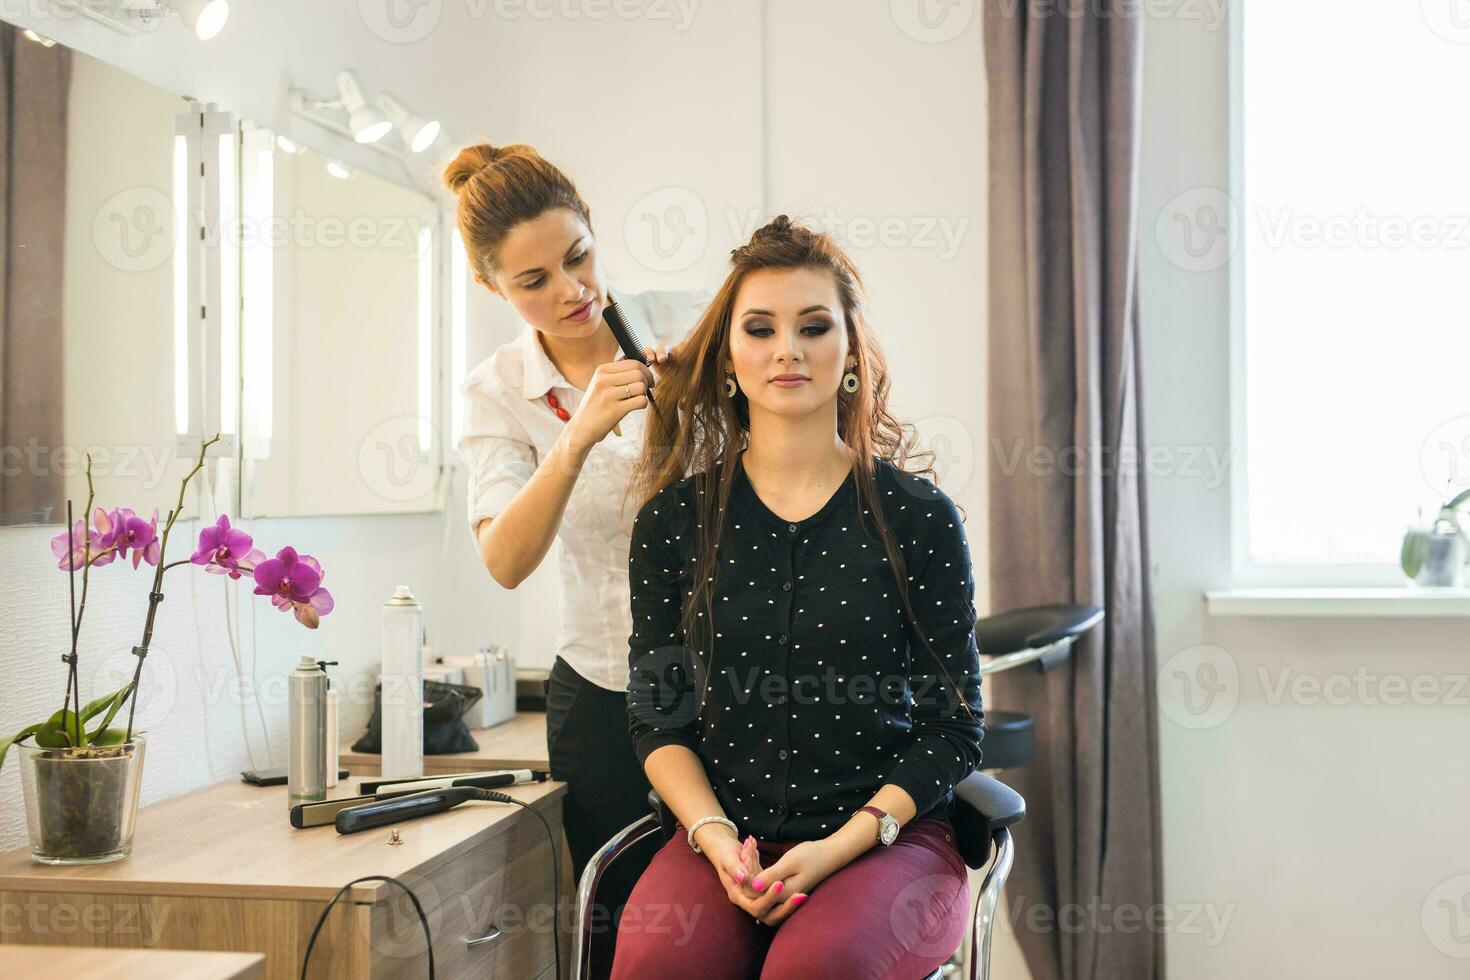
column 81, row 804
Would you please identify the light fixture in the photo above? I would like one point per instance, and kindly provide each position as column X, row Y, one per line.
column 338, row 170
column 365, row 123
column 40, row 39
column 205, row 18
column 368, row 124
column 418, row 132
column 289, row 145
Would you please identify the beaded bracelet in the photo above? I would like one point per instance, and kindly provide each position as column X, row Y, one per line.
column 704, row 820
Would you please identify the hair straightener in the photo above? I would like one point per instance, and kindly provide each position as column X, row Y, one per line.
column 630, row 339
column 320, row 814
column 366, row 816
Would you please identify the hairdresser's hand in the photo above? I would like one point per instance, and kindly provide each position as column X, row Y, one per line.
column 659, row 357
column 617, row 388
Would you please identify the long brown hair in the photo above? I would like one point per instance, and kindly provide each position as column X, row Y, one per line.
column 500, row 187
column 698, row 429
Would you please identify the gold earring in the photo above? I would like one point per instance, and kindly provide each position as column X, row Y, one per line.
column 730, row 386
column 850, row 382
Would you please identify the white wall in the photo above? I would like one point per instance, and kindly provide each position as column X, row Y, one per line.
column 1324, row 831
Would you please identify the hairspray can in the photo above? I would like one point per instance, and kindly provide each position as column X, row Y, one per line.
column 306, row 769
column 402, row 679
column 334, row 734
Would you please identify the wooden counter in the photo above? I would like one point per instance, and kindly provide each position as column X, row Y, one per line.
column 99, row 963
column 222, row 869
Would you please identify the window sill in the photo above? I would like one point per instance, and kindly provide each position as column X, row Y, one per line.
column 1391, row 602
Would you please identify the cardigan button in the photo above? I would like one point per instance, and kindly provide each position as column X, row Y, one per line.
column 791, row 528
column 782, row 640
column 785, row 586
column 781, row 754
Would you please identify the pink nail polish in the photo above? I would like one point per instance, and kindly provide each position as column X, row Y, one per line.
column 740, row 875
column 776, row 888
column 759, row 884
column 795, row 902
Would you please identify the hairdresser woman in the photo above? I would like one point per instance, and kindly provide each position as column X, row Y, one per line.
column 553, row 424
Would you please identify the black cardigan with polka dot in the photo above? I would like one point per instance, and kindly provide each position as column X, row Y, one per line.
column 819, row 691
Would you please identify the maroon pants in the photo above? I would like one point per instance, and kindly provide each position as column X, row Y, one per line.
column 894, row 913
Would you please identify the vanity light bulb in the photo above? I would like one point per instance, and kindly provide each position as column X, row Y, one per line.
column 418, row 132
column 205, row 18
column 367, row 123
column 425, row 136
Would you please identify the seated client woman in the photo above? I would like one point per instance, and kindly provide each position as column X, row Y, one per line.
column 804, row 688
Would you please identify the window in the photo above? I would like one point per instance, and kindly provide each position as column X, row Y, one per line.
column 1352, row 298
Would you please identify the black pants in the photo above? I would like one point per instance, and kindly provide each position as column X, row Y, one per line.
column 590, row 750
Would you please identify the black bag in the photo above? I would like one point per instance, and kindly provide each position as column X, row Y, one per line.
column 444, row 727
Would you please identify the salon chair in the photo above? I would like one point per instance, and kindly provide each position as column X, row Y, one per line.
column 985, row 808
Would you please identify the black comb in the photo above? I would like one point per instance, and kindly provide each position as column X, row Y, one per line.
column 633, row 343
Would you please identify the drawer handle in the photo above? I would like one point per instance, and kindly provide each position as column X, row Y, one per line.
column 490, row 936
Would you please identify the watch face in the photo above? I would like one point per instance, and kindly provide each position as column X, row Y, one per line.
column 888, row 832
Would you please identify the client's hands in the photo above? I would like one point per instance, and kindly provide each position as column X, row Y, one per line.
column 736, row 863
column 771, row 894
column 785, row 885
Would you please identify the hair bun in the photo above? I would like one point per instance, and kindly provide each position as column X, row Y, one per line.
column 477, row 157
column 777, row 227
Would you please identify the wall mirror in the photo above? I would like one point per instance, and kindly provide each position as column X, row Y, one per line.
column 340, row 353
column 92, row 305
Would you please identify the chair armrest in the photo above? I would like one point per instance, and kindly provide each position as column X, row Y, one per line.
column 990, row 799
column 983, row 805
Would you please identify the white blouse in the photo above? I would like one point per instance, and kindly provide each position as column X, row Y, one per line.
column 509, row 428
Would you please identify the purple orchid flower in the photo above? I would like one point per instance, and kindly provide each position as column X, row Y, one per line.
column 71, row 548
column 138, row 536
column 294, row 582
column 225, row 550
column 108, row 528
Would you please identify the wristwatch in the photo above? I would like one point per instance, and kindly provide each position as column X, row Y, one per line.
column 887, row 825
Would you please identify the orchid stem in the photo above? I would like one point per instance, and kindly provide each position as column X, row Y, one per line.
column 156, row 596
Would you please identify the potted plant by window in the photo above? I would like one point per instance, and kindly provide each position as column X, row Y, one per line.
column 1435, row 555
column 80, row 773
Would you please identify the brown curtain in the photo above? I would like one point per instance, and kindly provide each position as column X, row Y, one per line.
column 34, row 84
column 1067, row 508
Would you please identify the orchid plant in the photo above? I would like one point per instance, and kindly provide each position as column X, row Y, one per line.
column 293, row 581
